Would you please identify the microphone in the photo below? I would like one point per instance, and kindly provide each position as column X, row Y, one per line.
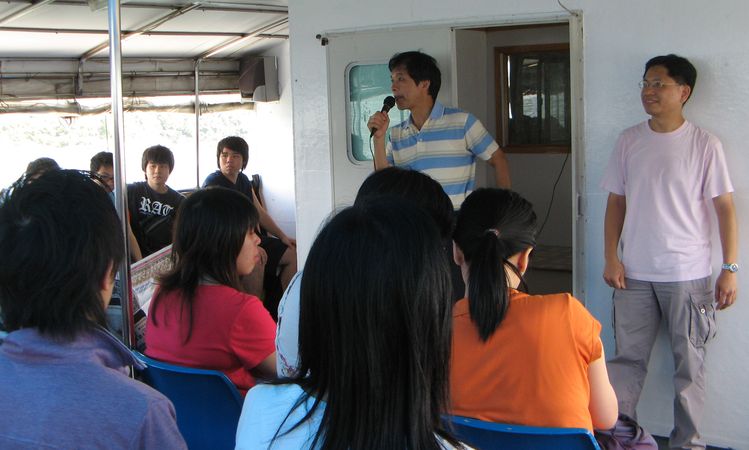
column 387, row 105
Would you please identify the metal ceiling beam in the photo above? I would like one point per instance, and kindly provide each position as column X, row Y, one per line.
column 105, row 60
column 22, row 12
column 254, row 34
column 75, row 109
column 146, row 28
column 105, row 75
column 206, row 6
column 133, row 32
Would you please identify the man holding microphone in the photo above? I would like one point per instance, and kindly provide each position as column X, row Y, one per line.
column 438, row 141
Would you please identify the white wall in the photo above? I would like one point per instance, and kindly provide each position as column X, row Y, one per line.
column 473, row 69
column 618, row 38
column 272, row 149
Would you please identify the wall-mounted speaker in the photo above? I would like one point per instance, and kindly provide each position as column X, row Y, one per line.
column 258, row 78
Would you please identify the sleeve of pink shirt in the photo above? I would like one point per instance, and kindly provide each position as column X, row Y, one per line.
column 717, row 179
column 253, row 334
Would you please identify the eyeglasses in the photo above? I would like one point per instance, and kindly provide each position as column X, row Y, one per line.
column 657, row 84
column 103, row 176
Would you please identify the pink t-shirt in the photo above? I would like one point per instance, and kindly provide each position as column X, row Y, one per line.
column 668, row 180
column 231, row 332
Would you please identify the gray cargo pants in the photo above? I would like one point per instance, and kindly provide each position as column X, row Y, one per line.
column 689, row 311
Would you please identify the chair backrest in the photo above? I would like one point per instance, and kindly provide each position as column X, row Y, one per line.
column 257, row 187
column 488, row 435
column 207, row 403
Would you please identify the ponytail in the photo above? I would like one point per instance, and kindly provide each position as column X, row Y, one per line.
column 487, row 285
column 493, row 225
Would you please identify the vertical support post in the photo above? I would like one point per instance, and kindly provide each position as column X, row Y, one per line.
column 577, row 156
column 197, row 123
column 115, row 72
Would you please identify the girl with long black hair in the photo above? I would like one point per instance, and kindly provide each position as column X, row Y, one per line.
column 199, row 317
column 518, row 358
column 374, row 340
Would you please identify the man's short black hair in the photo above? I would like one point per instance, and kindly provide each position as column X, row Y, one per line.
column 420, row 67
column 678, row 68
column 159, row 155
column 101, row 159
column 415, row 187
column 58, row 236
column 41, row 165
column 236, row 144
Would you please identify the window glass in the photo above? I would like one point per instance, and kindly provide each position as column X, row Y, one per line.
column 368, row 85
column 534, row 103
column 72, row 140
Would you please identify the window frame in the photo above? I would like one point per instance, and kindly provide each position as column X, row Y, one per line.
column 349, row 115
column 502, row 94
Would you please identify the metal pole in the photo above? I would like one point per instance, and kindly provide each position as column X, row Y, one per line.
column 115, row 70
column 197, row 123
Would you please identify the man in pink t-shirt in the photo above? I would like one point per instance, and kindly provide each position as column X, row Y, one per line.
column 661, row 178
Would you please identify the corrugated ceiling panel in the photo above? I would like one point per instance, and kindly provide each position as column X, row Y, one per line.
column 70, row 16
column 56, row 16
column 38, row 45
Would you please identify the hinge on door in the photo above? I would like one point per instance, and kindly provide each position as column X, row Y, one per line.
column 580, row 206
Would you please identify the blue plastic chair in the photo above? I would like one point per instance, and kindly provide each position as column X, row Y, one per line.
column 488, row 436
column 207, row 403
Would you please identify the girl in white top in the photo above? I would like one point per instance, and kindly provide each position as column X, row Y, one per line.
column 374, row 340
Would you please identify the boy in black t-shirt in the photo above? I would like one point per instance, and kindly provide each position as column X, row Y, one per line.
column 151, row 203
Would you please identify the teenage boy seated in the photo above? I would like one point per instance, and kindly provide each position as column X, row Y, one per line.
column 63, row 377
column 151, row 203
column 232, row 154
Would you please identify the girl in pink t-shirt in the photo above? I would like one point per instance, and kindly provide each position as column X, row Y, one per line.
column 199, row 317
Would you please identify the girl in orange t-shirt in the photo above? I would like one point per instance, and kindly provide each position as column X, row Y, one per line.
column 517, row 358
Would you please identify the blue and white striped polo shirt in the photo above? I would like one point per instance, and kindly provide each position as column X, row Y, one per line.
column 445, row 148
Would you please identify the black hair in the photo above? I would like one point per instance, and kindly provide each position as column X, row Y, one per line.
column 209, row 231
column 492, row 226
column 100, row 160
column 678, row 68
column 415, row 187
column 41, row 165
column 236, row 144
column 420, row 67
column 58, row 237
column 375, row 329
column 157, row 154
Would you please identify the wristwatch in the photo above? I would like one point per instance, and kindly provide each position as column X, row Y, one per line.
column 731, row 267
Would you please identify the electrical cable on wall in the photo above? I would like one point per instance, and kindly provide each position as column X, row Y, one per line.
column 573, row 13
column 553, row 191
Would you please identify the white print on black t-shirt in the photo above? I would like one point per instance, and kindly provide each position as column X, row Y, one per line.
column 154, row 208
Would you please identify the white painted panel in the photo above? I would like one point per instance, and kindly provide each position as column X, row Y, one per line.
column 472, row 69
column 618, row 38
column 371, row 48
column 272, row 149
